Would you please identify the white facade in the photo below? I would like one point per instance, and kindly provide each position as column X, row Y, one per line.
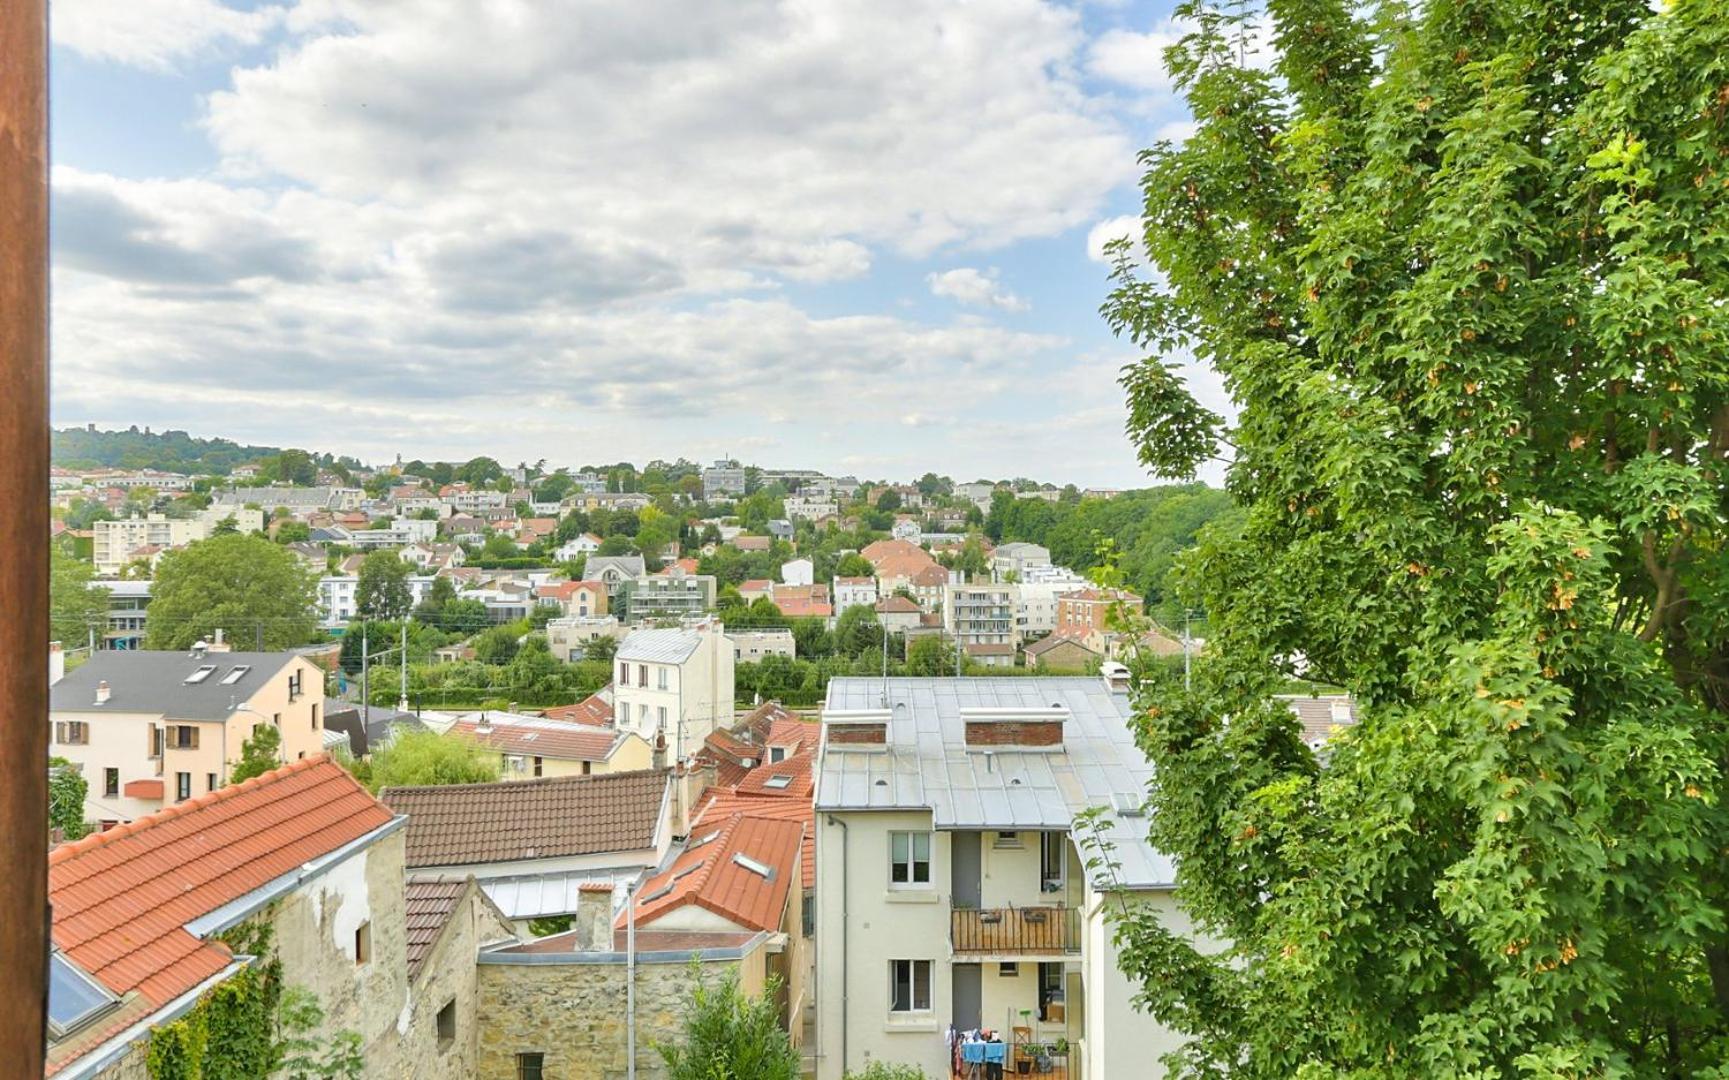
column 810, row 508
column 854, row 592
column 907, row 529
column 576, row 547
column 339, row 597
column 674, row 684
column 113, row 542
column 1036, row 603
column 797, row 572
column 750, row 646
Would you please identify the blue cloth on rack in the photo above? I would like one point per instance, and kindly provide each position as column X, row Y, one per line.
column 983, row 1053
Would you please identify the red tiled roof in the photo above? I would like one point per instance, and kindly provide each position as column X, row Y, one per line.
column 142, row 789
column 756, row 585
column 729, row 745
column 893, row 605
column 791, row 731
column 710, row 875
column 122, row 898
column 722, row 805
column 688, row 566
column 752, row 543
column 539, row 737
column 429, row 905
column 564, row 590
column 593, row 710
column 797, row 768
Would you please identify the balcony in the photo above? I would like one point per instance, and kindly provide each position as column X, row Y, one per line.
column 1027, row 931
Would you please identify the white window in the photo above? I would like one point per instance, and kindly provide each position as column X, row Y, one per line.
column 662, row 714
column 909, row 858
column 909, row 986
column 660, row 677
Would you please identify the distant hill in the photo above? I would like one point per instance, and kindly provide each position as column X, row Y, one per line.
column 169, row 451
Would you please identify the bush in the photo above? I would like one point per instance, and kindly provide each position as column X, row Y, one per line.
column 883, row 1070
column 729, row 1034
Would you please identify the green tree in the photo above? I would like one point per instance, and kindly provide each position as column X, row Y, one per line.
column 498, row 644
column 1462, row 269
column 292, row 532
column 383, row 591
column 425, row 757
column 856, row 630
column 729, row 1034
column 76, row 606
column 889, row 501
column 929, row 655
column 601, row 649
column 852, row 564
column 255, row 590
column 882, row 1070
column 258, row 754
column 67, row 790
column 289, row 467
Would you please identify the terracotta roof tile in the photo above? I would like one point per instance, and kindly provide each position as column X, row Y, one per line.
column 721, row 805
column 122, row 898
column 457, row 824
column 538, row 737
column 792, row 778
column 711, row 875
column 429, row 903
column 594, row 710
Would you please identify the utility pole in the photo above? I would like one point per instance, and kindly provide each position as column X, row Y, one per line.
column 365, row 700
column 402, row 702
column 24, row 573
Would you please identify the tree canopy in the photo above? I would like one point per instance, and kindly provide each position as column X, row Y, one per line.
column 76, row 606
column 259, row 753
column 1462, row 268
column 426, row 757
column 383, row 591
column 256, row 591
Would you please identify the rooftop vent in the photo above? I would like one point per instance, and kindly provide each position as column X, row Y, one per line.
column 199, row 648
column 1116, row 677
column 102, row 692
column 1341, row 710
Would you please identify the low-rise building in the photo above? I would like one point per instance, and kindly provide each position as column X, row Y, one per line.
column 1013, row 560
column 536, row 746
column 149, row 729
column 810, row 508
column 114, row 543
column 672, row 595
column 898, row 614
column 725, row 479
column 751, row 646
column 569, row 638
column 582, row 599
column 577, row 547
column 1063, row 654
column 950, row 891
column 1088, row 611
column 673, row 687
column 854, row 592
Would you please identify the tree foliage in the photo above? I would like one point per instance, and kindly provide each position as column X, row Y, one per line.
column 259, row 753
column 729, row 1035
column 67, row 790
column 425, row 757
column 383, row 591
column 76, row 605
column 1462, row 269
column 255, row 590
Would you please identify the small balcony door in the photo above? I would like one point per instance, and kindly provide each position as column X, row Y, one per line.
column 969, row 1001
column 965, row 869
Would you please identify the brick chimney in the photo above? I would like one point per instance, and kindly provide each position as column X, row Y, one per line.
column 1015, row 728
column 856, row 729
column 102, row 692
column 593, row 921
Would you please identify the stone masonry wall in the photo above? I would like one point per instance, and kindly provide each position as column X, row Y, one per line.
column 575, row 1015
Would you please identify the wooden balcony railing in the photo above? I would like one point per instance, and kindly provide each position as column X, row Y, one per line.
column 1028, row 931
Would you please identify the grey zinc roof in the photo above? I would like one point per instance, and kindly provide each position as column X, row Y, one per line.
column 927, row 764
column 659, row 646
column 149, row 681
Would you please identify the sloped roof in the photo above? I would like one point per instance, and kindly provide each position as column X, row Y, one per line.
column 505, row 821
column 429, row 904
column 659, row 646
column 1321, row 714
column 595, row 710
column 536, row 736
column 791, row 776
column 1053, row 641
column 721, row 805
column 709, row 873
column 154, row 681
column 122, row 898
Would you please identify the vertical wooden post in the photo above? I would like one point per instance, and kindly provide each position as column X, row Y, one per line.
column 24, row 531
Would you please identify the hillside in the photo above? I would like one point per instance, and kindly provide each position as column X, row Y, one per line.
column 170, row 451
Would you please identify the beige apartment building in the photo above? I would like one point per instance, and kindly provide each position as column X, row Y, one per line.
column 981, row 617
column 113, row 543
column 673, row 687
column 150, row 729
column 950, row 890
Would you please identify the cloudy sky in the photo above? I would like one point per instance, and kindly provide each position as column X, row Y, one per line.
column 856, row 235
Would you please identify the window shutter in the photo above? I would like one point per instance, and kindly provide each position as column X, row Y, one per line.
column 60, row 732
column 194, row 729
column 150, row 740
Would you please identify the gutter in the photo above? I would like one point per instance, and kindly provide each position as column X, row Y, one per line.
column 845, row 988
column 240, row 908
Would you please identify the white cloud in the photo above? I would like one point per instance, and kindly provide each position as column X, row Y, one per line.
column 154, row 34
column 969, row 285
column 1127, row 226
column 1134, row 59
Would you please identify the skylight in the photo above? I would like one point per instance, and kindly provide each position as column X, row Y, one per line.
column 777, row 782
column 761, row 870
column 235, row 674
column 73, row 997
column 201, row 674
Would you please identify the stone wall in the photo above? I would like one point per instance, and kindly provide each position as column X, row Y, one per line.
column 450, row 974
column 574, row 1014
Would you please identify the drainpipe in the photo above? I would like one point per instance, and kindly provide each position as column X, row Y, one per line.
column 630, row 980
column 844, row 837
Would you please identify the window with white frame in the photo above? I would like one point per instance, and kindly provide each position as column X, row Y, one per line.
column 909, row 986
column 660, row 677
column 909, row 858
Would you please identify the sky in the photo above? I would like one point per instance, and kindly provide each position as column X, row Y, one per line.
column 853, row 235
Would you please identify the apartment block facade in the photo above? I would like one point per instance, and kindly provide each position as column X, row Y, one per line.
column 673, row 687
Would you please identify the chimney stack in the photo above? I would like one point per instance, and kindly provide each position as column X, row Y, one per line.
column 102, row 692
column 993, row 729
column 593, row 921
column 857, row 729
column 1116, row 677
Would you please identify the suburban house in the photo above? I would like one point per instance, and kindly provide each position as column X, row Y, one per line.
column 755, row 589
column 802, row 601
column 854, row 592
column 950, row 890
column 148, row 729
column 595, row 710
column 1087, row 612
column 614, row 571
column 140, row 912
column 368, row 727
column 577, row 547
column 1062, row 653
column 582, row 599
column 673, row 687
column 448, row 921
column 898, row 614
column 531, row 844
column 535, row 746
column 797, row 572
column 569, row 638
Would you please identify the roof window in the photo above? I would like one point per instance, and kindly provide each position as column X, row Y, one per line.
column 235, row 674
column 201, row 674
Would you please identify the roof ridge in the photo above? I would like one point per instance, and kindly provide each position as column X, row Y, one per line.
column 96, row 840
column 543, row 781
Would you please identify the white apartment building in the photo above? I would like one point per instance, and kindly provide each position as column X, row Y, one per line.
column 722, row 480
column 751, row 646
column 978, row 494
column 854, row 592
column 810, row 508
column 113, row 542
column 982, row 619
column 150, row 729
column 674, row 685
column 470, row 502
column 1036, row 602
column 576, row 547
column 798, row 572
column 339, row 597
column 1018, row 559
column 949, row 888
